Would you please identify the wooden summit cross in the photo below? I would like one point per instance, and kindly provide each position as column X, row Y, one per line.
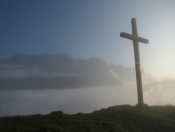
column 136, row 39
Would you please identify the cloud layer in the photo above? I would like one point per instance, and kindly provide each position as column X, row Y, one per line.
column 32, row 84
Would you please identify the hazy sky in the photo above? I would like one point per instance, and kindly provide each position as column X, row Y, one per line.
column 86, row 28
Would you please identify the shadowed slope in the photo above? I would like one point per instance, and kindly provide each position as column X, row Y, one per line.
column 118, row 118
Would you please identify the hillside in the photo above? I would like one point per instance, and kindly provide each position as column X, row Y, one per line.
column 114, row 119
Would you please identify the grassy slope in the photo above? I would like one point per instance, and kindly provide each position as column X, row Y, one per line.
column 113, row 119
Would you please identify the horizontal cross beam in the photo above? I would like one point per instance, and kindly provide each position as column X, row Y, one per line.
column 132, row 37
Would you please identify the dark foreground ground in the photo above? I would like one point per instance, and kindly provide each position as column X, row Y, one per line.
column 113, row 119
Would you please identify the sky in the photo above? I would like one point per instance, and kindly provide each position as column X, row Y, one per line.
column 90, row 28
column 87, row 28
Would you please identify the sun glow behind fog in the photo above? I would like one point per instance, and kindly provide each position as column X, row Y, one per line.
column 160, row 58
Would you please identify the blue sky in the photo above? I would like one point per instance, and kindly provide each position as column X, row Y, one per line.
column 87, row 28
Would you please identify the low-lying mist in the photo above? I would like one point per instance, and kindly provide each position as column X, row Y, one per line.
column 22, row 102
column 33, row 84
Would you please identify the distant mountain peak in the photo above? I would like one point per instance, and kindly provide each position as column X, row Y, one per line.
column 58, row 71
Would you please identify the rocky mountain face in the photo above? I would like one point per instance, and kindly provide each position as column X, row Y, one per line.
column 59, row 71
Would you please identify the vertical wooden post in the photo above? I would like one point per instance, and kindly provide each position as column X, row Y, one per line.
column 137, row 62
